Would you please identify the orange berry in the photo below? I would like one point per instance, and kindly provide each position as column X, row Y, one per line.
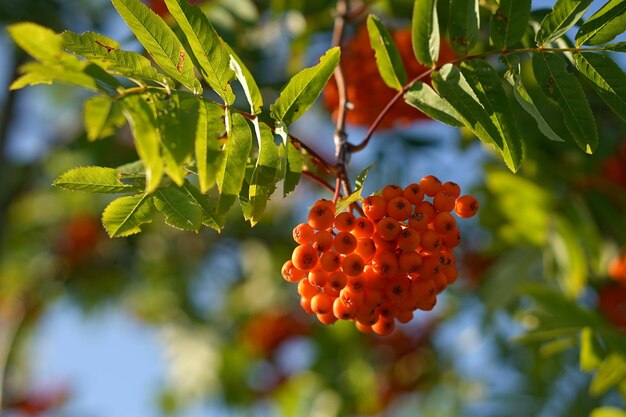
column 348, row 297
column 418, row 221
column 363, row 328
column 617, row 269
column 399, row 208
column 404, row 316
column 305, row 303
column 304, row 257
column 398, row 288
column 430, row 185
column 452, row 188
column 427, row 304
column 373, row 280
column 291, row 273
column 466, row 206
column 451, row 274
column 321, row 217
column 422, row 289
column 430, row 267
column 330, row 261
column 356, row 283
column 327, row 318
column 374, row 207
column 306, row 290
column 365, row 248
column 452, row 239
column 327, row 203
column 321, row 303
column 446, row 258
column 323, row 240
column 444, row 201
column 363, row 227
column 330, row 291
column 345, row 221
column 413, row 193
column 382, row 244
column 441, row 282
column 345, row 243
column 367, row 316
column 384, row 326
column 391, row 191
column 444, row 223
column 303, row 233
column 385, row 264
column 427, row 209
column 337, row 280
column 410, row 262
column 408, row 239
column 388, row 228
column 318, row 277
column 352, row 265
column 374, row 297
column 343, row 311
column 430, row 241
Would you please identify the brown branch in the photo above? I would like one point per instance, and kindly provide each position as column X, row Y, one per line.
column 318, row 180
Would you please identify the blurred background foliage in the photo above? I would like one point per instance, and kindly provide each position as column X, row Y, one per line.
column 534, row 326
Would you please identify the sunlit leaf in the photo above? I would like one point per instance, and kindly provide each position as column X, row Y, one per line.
column 304, row 88
column 604, row 25
column 147, row 138
column 421, row 96
column 560, row 85
column 509, row 22
column 206, row 46
column 93, row 179
column 425, row 32
column 101, row 116
column 245, row 78
column 610, row 373
column 608, row 412
column 359, row 182
column 207, row 205
column 564, row 15
column 208, row 150
column 590, row 355
column 388, row 59
column 179, row 210
column 160, row 42
column 606, row 78
column 232, row 170
column 125, row 215
column 293, row 161
column 616, row 47
column 264, row 178
column 463, row 25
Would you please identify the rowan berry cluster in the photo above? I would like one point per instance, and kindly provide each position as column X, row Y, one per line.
column 380, row 267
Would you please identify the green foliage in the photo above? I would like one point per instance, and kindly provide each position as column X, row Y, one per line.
column 421, row 96
column 388, row 57
column 125, row 216
column 509, row 22
column 425, row 32
column 94, row 180
column 604, row 25
column 564, row 15
column 463, row 25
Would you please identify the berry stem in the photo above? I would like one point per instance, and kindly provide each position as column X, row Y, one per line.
column 318, row 180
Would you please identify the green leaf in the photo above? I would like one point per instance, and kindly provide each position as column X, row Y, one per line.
column 213, row 59
column 293, row 161
column 208, row 149
column 611, row 372
column 590, row 356
column 569, row 256
column 616, row 47
column 179, row 210
column 245, row 78
column 486, row 84
column 421, row 96
column 264, row 178
column 509, row 22
column 452, row 86
column 178, row 120
column 93, row 180
column 564, row 15
column 359, row 182
column 604, row 25
column 523, row 98
column 160, row 42
column 232, row 170
column 560, row 85
column 608, row 412
column 39, row 42
column 101, row 117
column 425, row 32
column 304, row 88
column 145, row 132
column 463, row 25
column 106, row 52
column 125, row 215
column 206, row 204
column 606, row 78
column 388, row 59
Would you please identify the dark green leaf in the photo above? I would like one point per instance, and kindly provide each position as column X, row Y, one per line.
column 147, row 138
column 425, row 32
column 452, row 86
column 603, row 25
column 93, row 180
column 125, row 215
column 559, row 84
column 606, row 78
column 106, row 53
column 616, row 47
column 179, row 210
column 206, row 46
column 523, row 98
column 388, row 59
column 206, row 204
column 245, row 78
column 209, row 153
column 304, row 88
column 264, row 178
column 463, row 25
column 232, row 170
column 421, row 96
column 101, row 116
column 486, row 83
column 509, row 22
column 160, row 42
column 293, row 162
column 564, row 15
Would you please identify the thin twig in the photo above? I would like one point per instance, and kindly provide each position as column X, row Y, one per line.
column 318, row 180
